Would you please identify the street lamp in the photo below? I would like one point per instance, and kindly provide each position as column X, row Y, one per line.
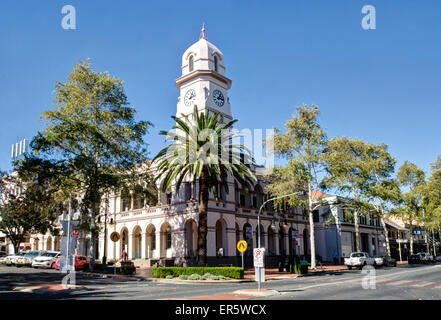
column 280, row 239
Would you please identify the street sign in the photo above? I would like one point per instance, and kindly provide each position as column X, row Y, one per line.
column 297, row 242
column 258, row 255
column 76, row 233
column 114, row 236
column 242, row 246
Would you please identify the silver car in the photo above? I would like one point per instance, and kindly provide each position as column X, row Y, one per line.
column 28, row 258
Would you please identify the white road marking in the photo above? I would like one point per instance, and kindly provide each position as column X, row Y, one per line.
column 378, row 277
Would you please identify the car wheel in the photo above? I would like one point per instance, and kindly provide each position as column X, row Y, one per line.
column 349, row 267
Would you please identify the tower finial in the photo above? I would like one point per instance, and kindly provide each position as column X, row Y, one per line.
column 202, row 32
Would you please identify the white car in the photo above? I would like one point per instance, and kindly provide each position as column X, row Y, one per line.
column 46, row 259
column 359, row 260
column 426, row 257
column 12, row 259
column 28, row 258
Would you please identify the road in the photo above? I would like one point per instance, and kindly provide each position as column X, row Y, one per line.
column 416, row 282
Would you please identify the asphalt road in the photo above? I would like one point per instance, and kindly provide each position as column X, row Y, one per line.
column 416, row 282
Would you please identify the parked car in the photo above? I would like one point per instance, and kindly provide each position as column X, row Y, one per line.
column 438, row 258
column 3, row 254
column 28, row 258
column 3, row 259
column 359, row 259
column 80, row 261
column 414, row 259
column 385, row 261
column 426, row 257
column 11, row 260
column 46, row 260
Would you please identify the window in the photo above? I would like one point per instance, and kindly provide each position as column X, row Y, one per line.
column 254, row 202
column 190, row 64
column 187, row 195
column 215, row 63
column 169, row 198
column 315, row 216
column 242, row 200
column 169, row 239
column 153, row 239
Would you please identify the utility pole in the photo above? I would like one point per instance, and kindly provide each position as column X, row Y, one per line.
column 105, row 233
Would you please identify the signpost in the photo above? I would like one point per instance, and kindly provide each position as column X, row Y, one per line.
column 114, row 236
column 259, row 267
column 242, row 246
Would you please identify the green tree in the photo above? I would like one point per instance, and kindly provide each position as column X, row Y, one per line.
column 93, row 134
column 432, row 199
column 412, row 182
column 302, row 145
column 202, row 150
column 28, row 204
column 353, row 165
column 383, row 193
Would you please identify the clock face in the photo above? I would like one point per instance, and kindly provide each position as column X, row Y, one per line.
column 218, row 98
column 190, row 97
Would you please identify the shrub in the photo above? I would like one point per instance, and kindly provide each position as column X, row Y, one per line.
column 169, row 277
column 229, row 272
column 128, row 269
column 182, row 277
column 195, row 276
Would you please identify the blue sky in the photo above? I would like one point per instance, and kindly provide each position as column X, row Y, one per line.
column 380, row 85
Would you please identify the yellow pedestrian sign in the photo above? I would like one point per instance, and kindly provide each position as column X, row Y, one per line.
column 242, row 246
column 114, row 236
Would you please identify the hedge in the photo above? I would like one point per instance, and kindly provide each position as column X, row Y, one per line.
column 230, row 272
column 301, row 269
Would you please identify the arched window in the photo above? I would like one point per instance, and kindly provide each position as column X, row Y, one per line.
column 215, row 63
column 190, row 64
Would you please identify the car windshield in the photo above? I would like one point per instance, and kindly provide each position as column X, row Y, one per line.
column 32, row 253
column 357, row 255
column 49, row 254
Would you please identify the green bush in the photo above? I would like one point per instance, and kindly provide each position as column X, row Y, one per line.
column 128, row 269
column 182, row 277
column 229, row 272
column 301, row 269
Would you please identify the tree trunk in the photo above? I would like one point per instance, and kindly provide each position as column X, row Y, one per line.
column 92, row 237
column 386, row 235
column 411, row 237
column 311, row 228
column 357, row 231
column 202, row 225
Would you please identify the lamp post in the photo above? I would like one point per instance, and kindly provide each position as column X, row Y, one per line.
column 280, row 239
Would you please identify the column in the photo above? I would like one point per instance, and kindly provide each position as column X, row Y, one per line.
column 157, row 251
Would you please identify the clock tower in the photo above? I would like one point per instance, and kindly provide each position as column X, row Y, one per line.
column 203, row 82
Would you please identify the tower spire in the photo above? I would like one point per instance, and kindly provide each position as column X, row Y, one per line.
column 202, row 36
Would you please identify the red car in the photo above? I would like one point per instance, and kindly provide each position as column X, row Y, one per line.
column 80, row 261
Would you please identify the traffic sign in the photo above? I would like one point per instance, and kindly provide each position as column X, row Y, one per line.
column 242, row 246
column 295, row 234
column 76, row 233
column 258, row 257
column 114, row 236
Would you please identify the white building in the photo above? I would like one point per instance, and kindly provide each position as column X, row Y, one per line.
column 166, row 232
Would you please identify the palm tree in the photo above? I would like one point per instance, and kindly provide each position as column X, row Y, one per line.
column 202, row 150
